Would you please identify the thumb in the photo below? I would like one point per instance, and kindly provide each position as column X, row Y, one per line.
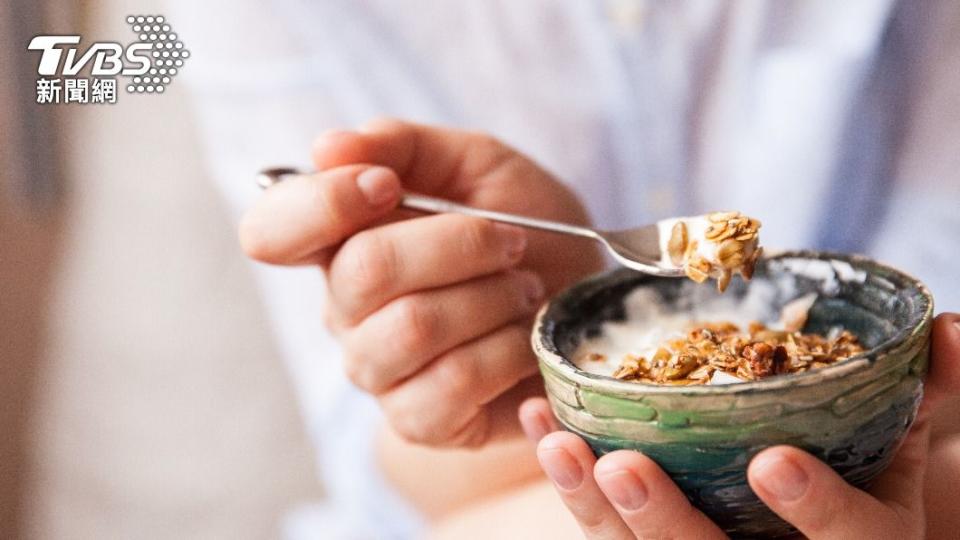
column 812, row 497
column 299, row 218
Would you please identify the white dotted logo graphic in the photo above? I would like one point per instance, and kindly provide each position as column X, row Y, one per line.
column 167, row 53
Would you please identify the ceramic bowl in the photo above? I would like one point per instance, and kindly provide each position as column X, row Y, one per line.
column 853, row 414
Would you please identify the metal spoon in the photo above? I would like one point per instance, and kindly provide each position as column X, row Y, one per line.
column 638, row 249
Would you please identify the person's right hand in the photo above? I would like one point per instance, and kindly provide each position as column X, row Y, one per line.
column 434, row 311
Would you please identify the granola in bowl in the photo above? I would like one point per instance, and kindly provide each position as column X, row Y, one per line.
column 719, row 346
column 722, row 353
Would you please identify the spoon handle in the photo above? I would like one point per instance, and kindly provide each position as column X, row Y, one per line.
column 273, row 175
column 438, row 206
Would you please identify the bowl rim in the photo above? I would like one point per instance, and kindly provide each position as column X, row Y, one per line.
column 864, row 360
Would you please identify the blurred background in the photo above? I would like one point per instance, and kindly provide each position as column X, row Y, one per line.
column 142, row 393
column 129, row 408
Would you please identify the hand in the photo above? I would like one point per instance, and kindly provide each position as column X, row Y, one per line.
column 433, row 311
column 625, row 494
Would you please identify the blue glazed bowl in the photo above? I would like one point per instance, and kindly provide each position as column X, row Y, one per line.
column 853, row 415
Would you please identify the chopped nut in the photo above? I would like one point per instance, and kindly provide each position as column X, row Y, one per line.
column 760, row 359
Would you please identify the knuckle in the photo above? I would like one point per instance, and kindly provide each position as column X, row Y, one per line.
column 457, row 376
column 364, row 376
column 333, row 320
column 486, row 143
column 368, row 265
column 597, row 525
column 820, row 519
column 354, row 369
column 361, row 369
column 492, row 149
column 477, row 237
column 418, row 325
column 475, row 434
column 414, row 427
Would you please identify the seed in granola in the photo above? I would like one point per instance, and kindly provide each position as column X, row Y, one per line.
column 678, row 242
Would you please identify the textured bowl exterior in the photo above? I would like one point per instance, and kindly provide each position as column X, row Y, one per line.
column 852, row 415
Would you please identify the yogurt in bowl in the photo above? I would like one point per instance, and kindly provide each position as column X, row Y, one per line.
column 852, row 414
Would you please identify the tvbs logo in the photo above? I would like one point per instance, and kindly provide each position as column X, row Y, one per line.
column 107, row 57
column 150, row 63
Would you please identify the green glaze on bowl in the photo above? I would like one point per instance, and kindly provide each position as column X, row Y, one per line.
column 853, row 415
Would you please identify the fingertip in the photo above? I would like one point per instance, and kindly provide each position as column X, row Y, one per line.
column 780, row 473
column 532, row 287
column 532, row 415
column 621, row 482
column 571, row 443
column 645, row 469
column 380, row 186
column 252, row 241
column 620, row 460
column 559, row 440
column 559, row 457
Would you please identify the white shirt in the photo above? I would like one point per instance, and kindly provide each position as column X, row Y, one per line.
column 807, row 114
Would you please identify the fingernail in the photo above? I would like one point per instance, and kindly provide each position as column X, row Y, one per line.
column 533, row 288
column 780, row 477
column 625, row 489
column 379, row 185
column 535, row 428
column 514, row 239
column 562, row 468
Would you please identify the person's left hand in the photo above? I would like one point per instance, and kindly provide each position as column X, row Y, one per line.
column 625, row 494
